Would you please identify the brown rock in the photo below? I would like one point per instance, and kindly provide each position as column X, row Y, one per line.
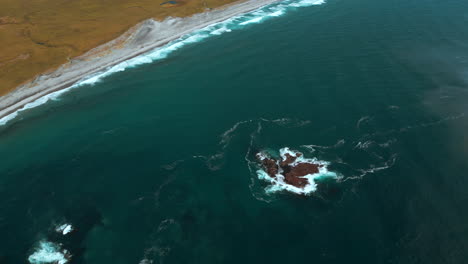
column 293, row 175
column 289, row 159
column 271, row 167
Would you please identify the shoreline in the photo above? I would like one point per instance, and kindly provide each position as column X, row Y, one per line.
column 143, row 38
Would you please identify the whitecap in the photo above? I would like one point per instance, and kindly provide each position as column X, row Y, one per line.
column 364, row 145
column 7, row 118
column 48, row 252
column 64, row 229
column 277, row 13
column 253, row 20
column 220, row 31
column 40, row 101
column 305, row 3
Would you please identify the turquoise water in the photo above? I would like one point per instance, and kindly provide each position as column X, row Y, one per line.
column 155, row 164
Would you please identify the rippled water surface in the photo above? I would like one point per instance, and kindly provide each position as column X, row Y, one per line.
column 156, row 163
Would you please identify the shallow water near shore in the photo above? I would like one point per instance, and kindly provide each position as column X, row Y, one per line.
column 259, row 15
column 156, row 164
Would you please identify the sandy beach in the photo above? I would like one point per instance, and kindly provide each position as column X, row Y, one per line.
column 143, row 37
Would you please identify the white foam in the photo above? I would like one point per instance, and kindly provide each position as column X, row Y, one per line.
column 64, row 229
column 251, row 21
column 54, row 96
column 237, row 22
column 7, row 118
column 301, row 158
column 364, row 145
column 277, row 13
column 220, row 31
column 261, row 156
column 304, row 3
column 278, row 184
column 48, row 252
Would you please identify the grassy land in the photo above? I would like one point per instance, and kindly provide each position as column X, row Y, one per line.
column 39, row 35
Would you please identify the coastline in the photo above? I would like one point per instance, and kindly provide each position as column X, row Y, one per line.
column 144, row 37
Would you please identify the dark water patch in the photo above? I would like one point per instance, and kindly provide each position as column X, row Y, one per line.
column 169, row 2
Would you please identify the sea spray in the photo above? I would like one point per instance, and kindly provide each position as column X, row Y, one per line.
column 237, row 22
column 64, row 229
column 292, row 172
column 48, row 252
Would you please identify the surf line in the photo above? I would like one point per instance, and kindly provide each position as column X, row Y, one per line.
column 260, row 14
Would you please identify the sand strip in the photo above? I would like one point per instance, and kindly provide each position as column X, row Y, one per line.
column 142, row 38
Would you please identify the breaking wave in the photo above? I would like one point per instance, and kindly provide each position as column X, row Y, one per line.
column 48, row 252
column 278, row 182
column 64, row 229
column 234, row 23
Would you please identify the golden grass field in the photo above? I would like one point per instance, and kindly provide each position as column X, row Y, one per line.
column 37, row 36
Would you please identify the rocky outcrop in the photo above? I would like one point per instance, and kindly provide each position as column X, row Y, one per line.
column 290, row 167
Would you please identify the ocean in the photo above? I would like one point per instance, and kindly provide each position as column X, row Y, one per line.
column 154, row 160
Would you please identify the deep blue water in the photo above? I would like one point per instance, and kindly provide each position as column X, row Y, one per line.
column 154, row 164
